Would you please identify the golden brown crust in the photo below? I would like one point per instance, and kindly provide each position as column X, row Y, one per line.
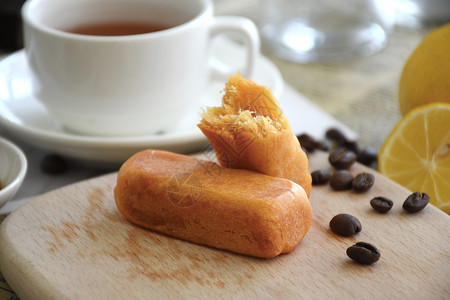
column 251, row 132
column 199, row 201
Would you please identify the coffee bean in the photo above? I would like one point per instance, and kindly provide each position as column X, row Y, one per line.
column 53, row 164
column 381, row 204
column 345, row 225
column 320, row 177
column 336, row 135
column 307, row 142
column 342, row 158
column 311, row 144
column 363, row 253
column 416, row 202
column 341, row 180
column 306, row 151
column 368, row 156
column 363, row 182
column 352, row 146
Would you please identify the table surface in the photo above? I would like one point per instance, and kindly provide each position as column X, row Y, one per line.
column 359, row 92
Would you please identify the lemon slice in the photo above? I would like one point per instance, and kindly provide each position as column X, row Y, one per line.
column 416, row 154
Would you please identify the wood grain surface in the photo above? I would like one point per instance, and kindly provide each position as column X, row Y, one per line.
column 72, row 243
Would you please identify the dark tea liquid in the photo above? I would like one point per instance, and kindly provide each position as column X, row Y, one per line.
column 116, row 28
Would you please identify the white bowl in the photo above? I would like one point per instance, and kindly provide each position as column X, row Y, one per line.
column 13, row 167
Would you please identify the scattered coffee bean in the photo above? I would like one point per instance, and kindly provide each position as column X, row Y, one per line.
column 345, row 225
column 53, row 164
column 363, row 253
column 336, row 135
column 352, row 146
column 363, row 182
column 306, row 151
column 320, row 177
column 307, row 142
column 368, row 156
column 341, row 180
column 416, row 202
column 381, row 204
column 342, row 158
column 311, row 144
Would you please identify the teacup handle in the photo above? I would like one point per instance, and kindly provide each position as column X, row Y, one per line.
column 244, row 28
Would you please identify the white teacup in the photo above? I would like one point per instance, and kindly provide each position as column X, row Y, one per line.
column 125, row 84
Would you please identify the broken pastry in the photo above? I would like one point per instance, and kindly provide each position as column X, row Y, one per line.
column 249, row 131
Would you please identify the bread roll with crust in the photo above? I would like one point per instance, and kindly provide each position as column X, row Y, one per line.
column 250, row 131
column 199, row 201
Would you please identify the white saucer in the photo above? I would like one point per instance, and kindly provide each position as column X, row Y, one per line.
column 27, row 120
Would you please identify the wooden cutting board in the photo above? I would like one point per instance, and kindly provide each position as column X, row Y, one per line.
column 72, row 243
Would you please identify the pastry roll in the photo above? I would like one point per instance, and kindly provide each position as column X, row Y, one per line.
column 199, row 201
column 249, row 131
